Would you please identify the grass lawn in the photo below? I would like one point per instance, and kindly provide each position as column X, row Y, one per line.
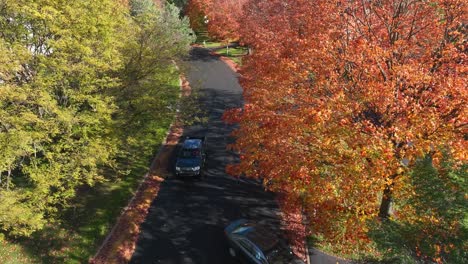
column 11, row 253
column 202, row 36
column 234, row 54
column 210, row 44
column 367, row 253
column 77, row 238
column 84, row 226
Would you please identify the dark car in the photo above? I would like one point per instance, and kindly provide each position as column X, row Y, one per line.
column 257, row 244
column 191, row 157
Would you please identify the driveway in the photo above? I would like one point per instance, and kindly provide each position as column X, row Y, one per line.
column 186, row 221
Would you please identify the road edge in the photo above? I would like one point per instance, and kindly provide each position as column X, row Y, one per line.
column 235, row 67
column 114, row 249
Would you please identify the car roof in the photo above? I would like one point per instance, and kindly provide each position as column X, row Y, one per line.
column 262, row 236
column 192, row 144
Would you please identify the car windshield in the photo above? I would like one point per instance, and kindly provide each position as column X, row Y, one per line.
column 190, row 153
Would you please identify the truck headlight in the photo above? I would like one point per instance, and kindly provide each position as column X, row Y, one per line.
column 177, row 168
column 196, row 168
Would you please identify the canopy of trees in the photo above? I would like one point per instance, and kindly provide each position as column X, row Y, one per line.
column 71, row 72
column 219, row 17
column 343, row 100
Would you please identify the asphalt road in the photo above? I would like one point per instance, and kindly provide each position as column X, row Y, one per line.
column 186, row 221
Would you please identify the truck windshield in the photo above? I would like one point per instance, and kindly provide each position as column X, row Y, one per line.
column 190, row 153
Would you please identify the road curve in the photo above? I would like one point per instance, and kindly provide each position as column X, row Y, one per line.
column 186, row 221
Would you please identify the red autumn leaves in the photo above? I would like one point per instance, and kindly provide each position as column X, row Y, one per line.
column 342, row 97
column 219, row 17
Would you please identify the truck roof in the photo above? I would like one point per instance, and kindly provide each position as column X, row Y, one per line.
column 192, row 143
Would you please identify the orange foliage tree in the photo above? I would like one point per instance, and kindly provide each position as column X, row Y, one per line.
column 196, row 11
column 224, row 20
column 343, row 97
column 221, row 17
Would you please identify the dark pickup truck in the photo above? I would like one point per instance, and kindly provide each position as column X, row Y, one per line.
column 191, row 157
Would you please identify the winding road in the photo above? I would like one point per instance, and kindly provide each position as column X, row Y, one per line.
column 186, row 221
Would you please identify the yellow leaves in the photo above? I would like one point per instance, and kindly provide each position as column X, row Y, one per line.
column 400, row 170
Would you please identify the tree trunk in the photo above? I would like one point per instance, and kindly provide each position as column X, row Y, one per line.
column 8, row 179
column 386, row 203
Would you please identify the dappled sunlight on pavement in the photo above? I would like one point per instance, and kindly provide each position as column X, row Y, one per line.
column 119, row 245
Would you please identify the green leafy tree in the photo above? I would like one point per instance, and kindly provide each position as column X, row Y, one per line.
column 156, row 42
column 181, row 4
column 157, row 39
column 58, row 59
